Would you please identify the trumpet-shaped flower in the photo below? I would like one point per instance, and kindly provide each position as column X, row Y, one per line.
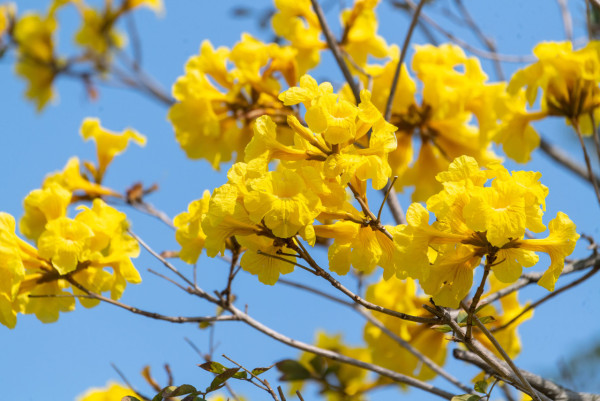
column 108, row 144
column 37, row 61
column 258, row 258
column 282, row 201
column 65, row 243
column 42, row 206
column 475, row 221
column 189, row 233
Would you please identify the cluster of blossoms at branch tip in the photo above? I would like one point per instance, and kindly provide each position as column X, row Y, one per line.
column 68, row 252
column 34, row 37
column 474, row 221
column 346, row 145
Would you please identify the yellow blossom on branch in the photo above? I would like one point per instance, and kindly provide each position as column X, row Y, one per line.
column 475, row 221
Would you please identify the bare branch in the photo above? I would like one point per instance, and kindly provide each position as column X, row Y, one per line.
column 562, row 158
column 339, row 357
column 502, row 352
column 547, row 297
column 153, row 315
column 547, row 387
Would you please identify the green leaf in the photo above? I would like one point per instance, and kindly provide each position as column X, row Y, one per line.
column 173, row 391
column 481, row 386
column 292, row 370
column 260, row 371
column 214, row 367
column 443, row 328
column 193, row 397
column 462, row 317
column 487, row 319
column 318, row 365
column 129, row 398
column 241, row 375
column 466, row 397
column 221, row 378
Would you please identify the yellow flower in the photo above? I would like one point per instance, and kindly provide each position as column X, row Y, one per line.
column 155, row 5
column 189, row 233
column 256, row 259
column 97, row 32
column 42, row 206
column 358, row 246
column 112, row 392
column 65, row 242
column 295, row 21
column 71, row 178
column 108, row 144
column 281, row 200
column 473, row 221
column 360, row 37
column 559, row 244
column 37, row 62
column 47, row 309
column 569, row 81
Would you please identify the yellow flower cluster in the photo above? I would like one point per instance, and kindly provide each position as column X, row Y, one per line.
column 343, row 144
column 33, row 35
column 222, row 93
column 454, row 93
column 67, row 250
column 296, row 22
column 475, row 221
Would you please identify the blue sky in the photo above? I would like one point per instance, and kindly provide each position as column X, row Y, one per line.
column 61, row 360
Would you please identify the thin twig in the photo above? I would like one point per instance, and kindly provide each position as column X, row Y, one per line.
column 160, row 258
column 339, row 357
column 265, row 383
column 477, row 296
column 559, row 156
column 586, row 156
column 387, row 190
column 335, row 49
column 476, row 51
column 355, row 297
column 532, row 278
column 411, row 28
column 483, row 38
column 547, row 297
column 415, row 352
column 124, row 378
column 566, row 19
column 504, row 355
column 153, row 315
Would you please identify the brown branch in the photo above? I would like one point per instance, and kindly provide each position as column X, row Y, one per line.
column 483, row 38
column 559, row 156
column 398, row 377
column 355, row 297
column 477, row 296
column 586, row 156
column 504, row 355
column 546, row 387
column 476, row 51
column 547, row 297
column 152, row 315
